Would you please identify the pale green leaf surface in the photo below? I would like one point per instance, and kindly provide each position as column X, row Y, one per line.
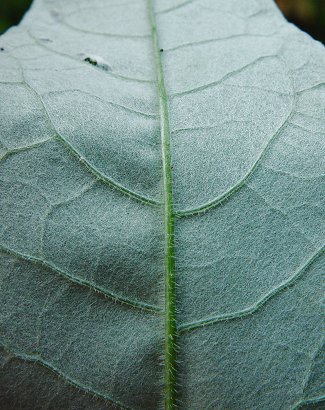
column 82, row 267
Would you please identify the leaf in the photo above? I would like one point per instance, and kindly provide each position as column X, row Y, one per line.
column 162, row 207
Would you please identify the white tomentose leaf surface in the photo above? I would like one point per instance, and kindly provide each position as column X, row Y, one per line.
column 103, row 106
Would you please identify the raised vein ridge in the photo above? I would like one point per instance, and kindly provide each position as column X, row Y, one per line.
column 261, row 302
column 169, row 217
column 311, row 400
column 35, row 358
column 82, row 282
column 226, row 195
column 91, row 168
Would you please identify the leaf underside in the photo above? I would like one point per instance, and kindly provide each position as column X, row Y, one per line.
column 162, row 207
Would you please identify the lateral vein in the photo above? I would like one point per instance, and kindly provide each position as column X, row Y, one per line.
column 33, row 358
column 186, row 327
column 227, row 194
column 90, row 168
column 82, row 282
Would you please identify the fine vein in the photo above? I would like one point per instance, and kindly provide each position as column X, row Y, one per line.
column 251, row 309
column 169, row 216
column 215, row 40
column 224, row 78
column 178, row 6
column 25, row 148
column 81, row 61
column 91, row 168
column 109, row 181
column 82, row 282
column 33, row 358
column 226, row 195
column 306, row 402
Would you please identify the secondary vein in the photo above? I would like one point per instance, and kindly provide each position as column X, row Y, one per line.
column 37, row 359
column 82, row 281
column 169, row 218
column 260, row 303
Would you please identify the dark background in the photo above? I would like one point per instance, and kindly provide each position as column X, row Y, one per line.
column 309, row 15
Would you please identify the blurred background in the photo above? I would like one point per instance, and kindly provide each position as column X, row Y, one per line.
column 309, row 15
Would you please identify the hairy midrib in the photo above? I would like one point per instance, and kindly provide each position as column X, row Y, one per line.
column 169, row 217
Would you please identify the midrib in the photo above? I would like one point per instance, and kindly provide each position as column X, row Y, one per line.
column 169, row 216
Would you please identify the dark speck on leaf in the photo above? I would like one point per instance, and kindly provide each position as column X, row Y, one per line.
column 2, row 49
column 161, row 50
column 90, row 61
column 97, row 62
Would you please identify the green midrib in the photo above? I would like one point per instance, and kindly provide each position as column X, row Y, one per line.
column 169, row 216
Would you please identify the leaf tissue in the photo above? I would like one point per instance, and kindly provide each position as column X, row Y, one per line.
column 162, row 207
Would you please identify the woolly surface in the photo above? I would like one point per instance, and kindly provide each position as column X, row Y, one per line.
column 81, row 206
